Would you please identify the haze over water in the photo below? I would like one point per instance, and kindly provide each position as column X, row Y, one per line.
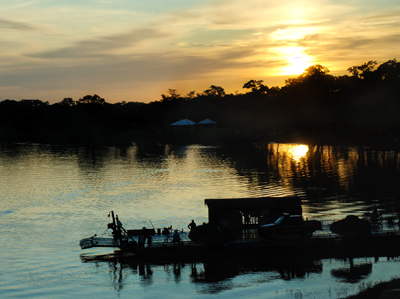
column 54, row 196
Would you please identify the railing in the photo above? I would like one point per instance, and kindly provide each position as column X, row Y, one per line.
column 381, row 229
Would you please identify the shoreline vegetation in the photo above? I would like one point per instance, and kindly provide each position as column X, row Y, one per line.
column 382, row 289
column 361, row 108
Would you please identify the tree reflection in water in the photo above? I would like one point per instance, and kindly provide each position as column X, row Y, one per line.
column 213, row 274
column 354, row 273
column 217, row 273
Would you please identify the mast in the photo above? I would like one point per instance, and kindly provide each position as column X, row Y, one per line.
column 113, row 218
column 116, row 229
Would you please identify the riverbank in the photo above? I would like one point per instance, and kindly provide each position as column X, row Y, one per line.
column 382, row 290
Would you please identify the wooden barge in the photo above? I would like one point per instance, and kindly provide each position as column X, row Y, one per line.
column 232, row 229
column 379, row 245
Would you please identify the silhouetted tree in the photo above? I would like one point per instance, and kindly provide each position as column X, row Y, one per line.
column 274, row 91
column 34, row 103
column 67, row 102
column 389, row 71
column 215, row 91
column 313, row 105
column 256, row 86
column 190, row 95
column 92, row 99
column 172, row 95
column 363, row 71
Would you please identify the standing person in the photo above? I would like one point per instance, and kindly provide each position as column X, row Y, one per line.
column 192, row 225
column 176, row 238
column 142, row 238
column 374, row 215
column 149, row 240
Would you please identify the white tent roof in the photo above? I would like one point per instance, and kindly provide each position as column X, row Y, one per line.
column 184, row 122
column 207, row 122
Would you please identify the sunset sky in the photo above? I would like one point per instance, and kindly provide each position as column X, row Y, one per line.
column 126, row 50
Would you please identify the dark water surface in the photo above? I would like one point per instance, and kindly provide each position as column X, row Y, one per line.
column 51, row 197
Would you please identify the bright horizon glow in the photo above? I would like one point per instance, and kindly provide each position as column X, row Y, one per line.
column 296, row 61
column 128, row 51
column 299, row 151
column 297, row 65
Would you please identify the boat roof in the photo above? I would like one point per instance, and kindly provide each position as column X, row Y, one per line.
column 251, row 203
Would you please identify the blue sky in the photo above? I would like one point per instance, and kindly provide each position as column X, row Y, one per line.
column 127, row 51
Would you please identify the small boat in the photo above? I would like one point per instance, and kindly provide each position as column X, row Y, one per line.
column 120, row 239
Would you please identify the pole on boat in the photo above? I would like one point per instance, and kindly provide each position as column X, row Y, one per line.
column 116, row 229
column 113, row 218
column 152, row 224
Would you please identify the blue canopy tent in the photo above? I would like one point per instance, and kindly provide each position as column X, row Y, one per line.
column 208, row 123
column 184, row 123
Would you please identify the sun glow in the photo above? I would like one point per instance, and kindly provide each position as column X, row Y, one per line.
column 299, row 151
column 296, row 61
column 290, row 51
column 292, row 151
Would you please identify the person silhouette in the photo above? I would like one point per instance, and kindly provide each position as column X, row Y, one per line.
column 142, row 238
column 192, row 225
column 176, row 238
column 374, row 215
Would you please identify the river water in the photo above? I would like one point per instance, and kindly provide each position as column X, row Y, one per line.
column 53, row 196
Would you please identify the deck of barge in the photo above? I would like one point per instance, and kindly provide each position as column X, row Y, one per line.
column 322, row 244
column 384, row 241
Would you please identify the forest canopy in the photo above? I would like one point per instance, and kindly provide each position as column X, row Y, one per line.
column 361, row 107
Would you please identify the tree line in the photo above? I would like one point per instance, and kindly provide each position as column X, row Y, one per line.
column 360, row 107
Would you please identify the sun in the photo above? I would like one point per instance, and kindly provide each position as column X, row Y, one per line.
column 296, row 61
column 296, row 64
column 293, row 59
column 290, row 52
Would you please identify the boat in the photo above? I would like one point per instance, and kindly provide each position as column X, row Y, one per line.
column 120, row 237
column 233, row 228
column 229, row 220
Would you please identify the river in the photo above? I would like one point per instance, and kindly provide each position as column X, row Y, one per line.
column 53, row 196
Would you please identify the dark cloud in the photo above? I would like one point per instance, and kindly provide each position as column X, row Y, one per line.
column 387, row 15
column 355, row 43
column 100, row 47
column 153, row 69
column 6, row 24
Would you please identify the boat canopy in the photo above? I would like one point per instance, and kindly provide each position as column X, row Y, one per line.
column 261, row 209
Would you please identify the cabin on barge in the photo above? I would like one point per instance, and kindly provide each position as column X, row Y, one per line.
column 243, row 216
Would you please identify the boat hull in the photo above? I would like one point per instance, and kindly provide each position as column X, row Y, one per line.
column 97, row 242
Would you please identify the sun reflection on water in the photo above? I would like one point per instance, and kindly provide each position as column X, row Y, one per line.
column 294, row 151
column 299, row 151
